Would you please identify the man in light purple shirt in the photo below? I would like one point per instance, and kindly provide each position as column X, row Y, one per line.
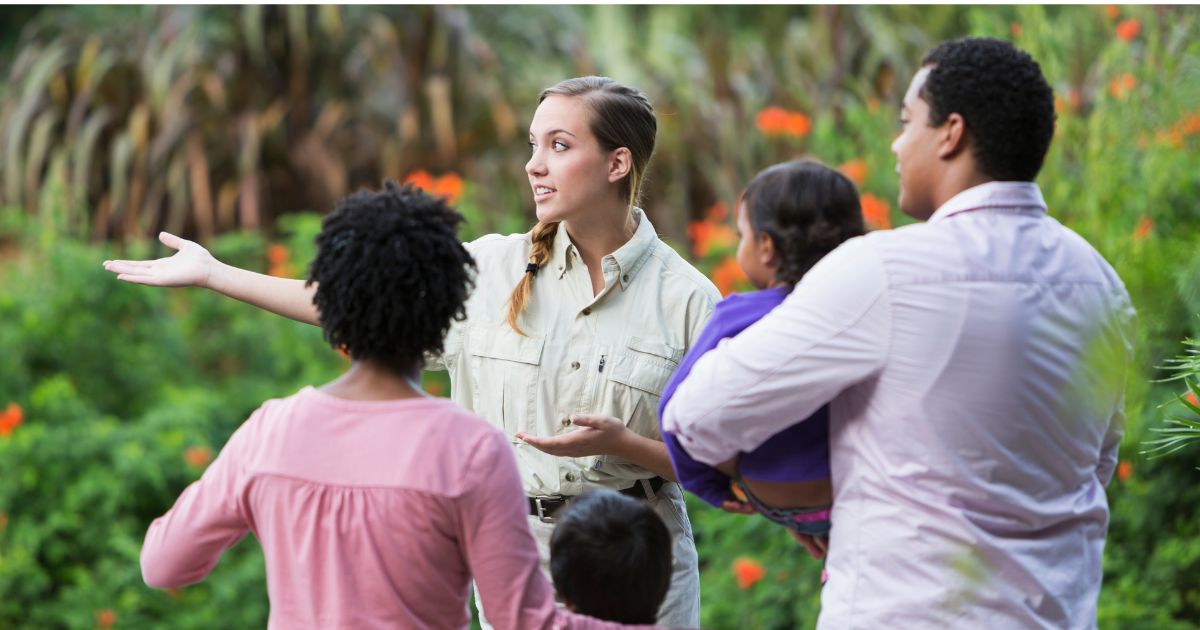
column 975, row 368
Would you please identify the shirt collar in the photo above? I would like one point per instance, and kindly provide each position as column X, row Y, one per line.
column 628, row 259
column 1012, row 195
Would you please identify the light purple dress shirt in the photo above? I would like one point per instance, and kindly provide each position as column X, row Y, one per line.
column 976, row 367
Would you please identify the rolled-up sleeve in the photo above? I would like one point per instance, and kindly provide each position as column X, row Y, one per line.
column 830, row 333
column 183, row 545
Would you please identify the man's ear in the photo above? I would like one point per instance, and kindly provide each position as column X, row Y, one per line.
column 766, row 250
column 954, row 137
column 619, row 164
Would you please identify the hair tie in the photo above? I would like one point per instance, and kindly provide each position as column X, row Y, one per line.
column 531, row 268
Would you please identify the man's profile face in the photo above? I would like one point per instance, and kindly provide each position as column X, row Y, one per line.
column 916, row 149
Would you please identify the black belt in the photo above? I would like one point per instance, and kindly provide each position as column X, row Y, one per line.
column 544, row 507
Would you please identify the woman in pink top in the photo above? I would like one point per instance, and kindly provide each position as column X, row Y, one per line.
column 375, row 504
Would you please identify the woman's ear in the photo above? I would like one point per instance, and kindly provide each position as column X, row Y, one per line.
column 619, row 163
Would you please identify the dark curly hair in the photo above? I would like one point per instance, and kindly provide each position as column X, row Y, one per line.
column 1003, row 98
column 391, row 274
column 610, row 557
column 807, row 209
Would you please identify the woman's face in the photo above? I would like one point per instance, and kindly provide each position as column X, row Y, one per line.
column 568, row 171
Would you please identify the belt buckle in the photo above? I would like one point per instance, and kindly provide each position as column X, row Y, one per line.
column 541, row 509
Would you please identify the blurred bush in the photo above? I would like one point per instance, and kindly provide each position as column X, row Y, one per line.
column 223, row 123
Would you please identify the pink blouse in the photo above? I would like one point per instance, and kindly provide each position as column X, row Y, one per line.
column 371, row 514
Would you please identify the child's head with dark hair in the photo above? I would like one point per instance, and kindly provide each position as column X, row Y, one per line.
column 1004, row 99
column 391, row 274
column 610, row 557
column 790, row 216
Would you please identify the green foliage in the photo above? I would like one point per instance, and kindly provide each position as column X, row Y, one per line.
column 222, row 122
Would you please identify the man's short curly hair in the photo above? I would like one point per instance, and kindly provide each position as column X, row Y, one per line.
column 391, row 274
column 1004, row 99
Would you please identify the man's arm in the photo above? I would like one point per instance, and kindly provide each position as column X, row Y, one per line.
column 831, row 332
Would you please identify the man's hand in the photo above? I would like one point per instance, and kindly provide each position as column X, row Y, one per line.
column 738, row 507
column 597, row 435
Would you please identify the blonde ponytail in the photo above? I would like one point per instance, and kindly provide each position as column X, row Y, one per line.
column 543, row 244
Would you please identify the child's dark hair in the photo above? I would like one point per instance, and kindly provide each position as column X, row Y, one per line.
column 807, row 209
column 391, row 274
column 610, row 557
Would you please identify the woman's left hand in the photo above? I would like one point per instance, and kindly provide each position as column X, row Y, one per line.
column 597, row 435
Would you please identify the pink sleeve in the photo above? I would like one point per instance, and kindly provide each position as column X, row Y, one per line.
column 183, row 545
column 500, row 549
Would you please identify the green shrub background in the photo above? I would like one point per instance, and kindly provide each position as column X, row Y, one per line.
column 117, row 382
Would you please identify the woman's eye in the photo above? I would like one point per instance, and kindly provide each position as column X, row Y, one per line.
column 559, row 146
column 531, row 145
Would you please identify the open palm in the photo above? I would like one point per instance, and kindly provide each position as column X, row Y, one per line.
column 191, row 265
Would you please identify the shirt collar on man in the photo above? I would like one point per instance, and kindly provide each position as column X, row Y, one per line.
column 628, row 258
column 1015, row 195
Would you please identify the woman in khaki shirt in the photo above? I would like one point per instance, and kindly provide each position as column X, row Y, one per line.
column 573, row 328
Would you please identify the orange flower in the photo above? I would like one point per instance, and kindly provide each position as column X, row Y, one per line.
column 856, row 170
column 728, row 275
column 1144, row 227
column 277, row 254
column 779, row 121
column 448, row 187
column 1128, row 29
column 1017, row 30
column 748, row 572
column 105, row 618
column 876, row 212
column 434, row 388
column 717, row 212
column 798, row 125
column 1112, row 11
column 197, row 456
column 771, row 120
column 11, row 419
column 707, row 234
column 1191, row 396
column 1124, row 470
column 1122, row 85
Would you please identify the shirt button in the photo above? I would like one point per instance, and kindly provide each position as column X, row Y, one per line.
column 574, row 365
column 587, row 311
column 566, row 422
column 625, row 277
column 571, row 477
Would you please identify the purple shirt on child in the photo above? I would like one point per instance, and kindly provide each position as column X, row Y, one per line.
column 797, row 453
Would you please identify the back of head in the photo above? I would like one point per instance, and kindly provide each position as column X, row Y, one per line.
column 1004, row 99
column 807, row 209
column 610, row 557
column 391, row 275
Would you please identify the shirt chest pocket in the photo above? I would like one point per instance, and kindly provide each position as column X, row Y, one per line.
column 639, row 372
column 505, row 367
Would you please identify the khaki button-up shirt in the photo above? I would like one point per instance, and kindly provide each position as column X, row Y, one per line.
column 610, row 353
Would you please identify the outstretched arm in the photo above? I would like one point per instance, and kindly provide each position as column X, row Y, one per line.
column 193, row 266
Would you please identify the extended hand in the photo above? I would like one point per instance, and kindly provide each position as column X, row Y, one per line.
column 598, row 435
column 190, row 266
